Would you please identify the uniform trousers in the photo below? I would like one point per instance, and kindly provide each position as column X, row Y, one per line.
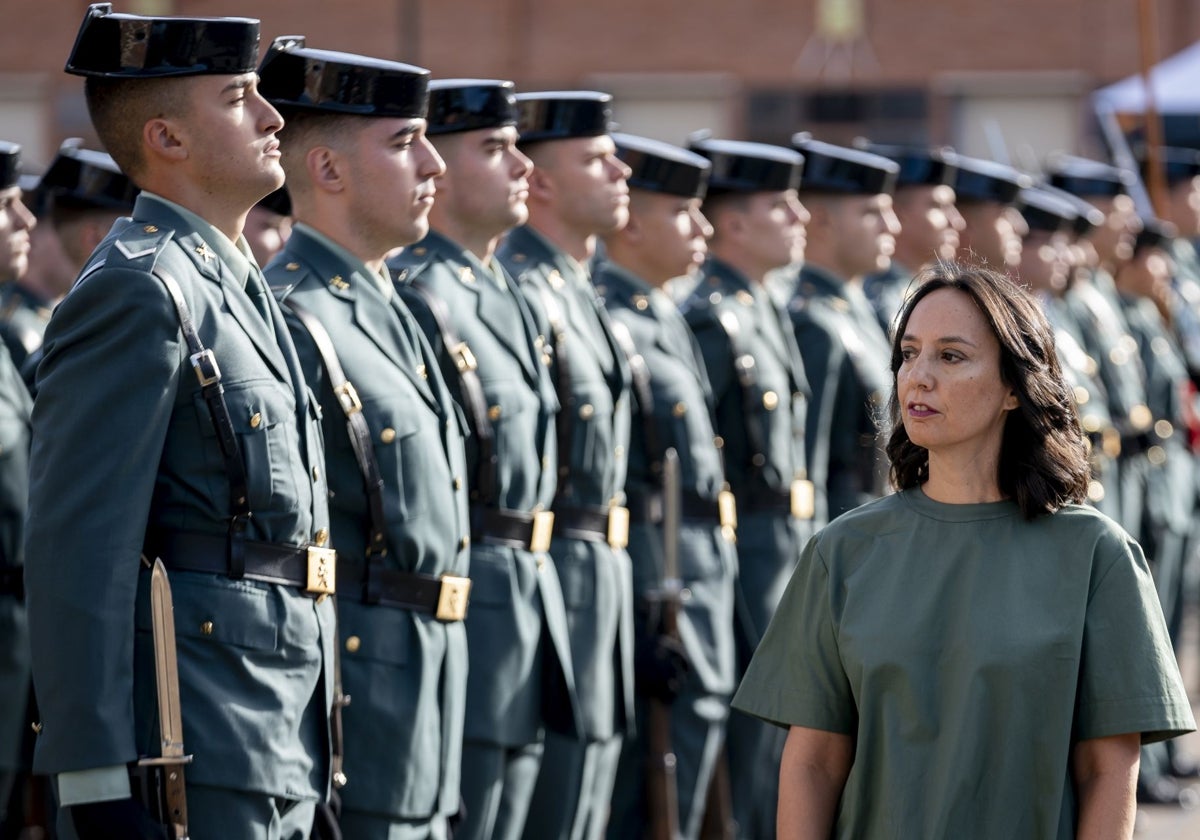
column 497, row 786
column 574, row 788
column 697, row 734
column 361, row 826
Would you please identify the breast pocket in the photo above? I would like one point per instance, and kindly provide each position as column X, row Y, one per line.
column 592, row 432
column 262, row 414
column 408, row 448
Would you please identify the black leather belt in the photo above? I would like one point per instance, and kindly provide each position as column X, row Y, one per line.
column 530, row 531
column 444, row 597
column 593, row 524
column 648, row 507
column 12, row 581
column 765, row 501
column 311, row 568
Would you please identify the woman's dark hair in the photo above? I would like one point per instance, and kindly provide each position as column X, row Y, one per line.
column 1043, row 456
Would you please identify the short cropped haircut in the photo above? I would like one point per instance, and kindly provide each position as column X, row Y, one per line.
column 120, row 109
column 1043, row 455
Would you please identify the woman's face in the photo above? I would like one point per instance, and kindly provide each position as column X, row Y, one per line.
column 952, row 399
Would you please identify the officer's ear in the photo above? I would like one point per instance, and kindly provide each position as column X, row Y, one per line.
column 541, row 185
column 162, row 138
column 324, row 167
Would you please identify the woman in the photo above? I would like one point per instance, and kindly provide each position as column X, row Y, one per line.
column 976, row 655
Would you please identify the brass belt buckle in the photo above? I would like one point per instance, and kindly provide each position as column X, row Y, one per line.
column 542, row 531
column 804, row 499
column 618, row 526
column 322, row 570
column 727, row 509
column 452, row 601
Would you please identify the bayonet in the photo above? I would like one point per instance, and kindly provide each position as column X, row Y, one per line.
column 164, row 774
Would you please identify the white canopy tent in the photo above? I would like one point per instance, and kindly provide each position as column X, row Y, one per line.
column 1175, row 81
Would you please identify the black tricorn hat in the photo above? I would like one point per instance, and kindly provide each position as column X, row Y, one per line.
column 470, row 104
column 1155, row 233
column 919, row 165
column 1178, row 163
column 134, row 46
column 82, row 178
column 563, row 114
column 742, row 166
column 1043, row 210
column 10, row 161
column 296, row 77
column 984, row 180
column 838, row 169
column 661, row 167
column 1084, row 177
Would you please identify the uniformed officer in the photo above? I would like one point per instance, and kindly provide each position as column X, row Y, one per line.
column 924, row 204
column 521, row 683
column 847, row 355
column 84, row 192
column 577, row 191
column 137, row 452
column 361, row 176
column 666, row 238
column 1046, row 269
column 1104, row 335
column 985, row 193
column 1170, row 482
column 761, row 398
column 269, row 225
column 15, row 224
column 21, row 320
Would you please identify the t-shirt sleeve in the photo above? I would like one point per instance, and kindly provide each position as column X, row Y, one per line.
column 796, row 676
column 1129, row 680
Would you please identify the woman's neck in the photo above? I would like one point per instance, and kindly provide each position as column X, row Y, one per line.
column 964, row 478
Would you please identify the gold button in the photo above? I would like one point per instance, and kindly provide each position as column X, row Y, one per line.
column 37, row 727
column 1140, row 417
column 353, row 643
column 1163, row 429
column 206, row 628
column 256, row 420
column 316, row 474
column 387, row 435
column 422, row 372
column 1156, row 455
column 150, row 229
column 640, row 302
column 770, row 400
column 292, row 266
column 679, row 409
column 419, row 250
column 714, row 298
column 494, row 412
column 321, row 537
column 745, row 298
column 463, row 543
column 586, row 411
column 718, row 442
column 457, row 483
column 1081, row 395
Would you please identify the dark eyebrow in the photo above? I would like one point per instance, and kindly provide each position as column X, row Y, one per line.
column 407, row 131
column 240, row 83
column 949, row 339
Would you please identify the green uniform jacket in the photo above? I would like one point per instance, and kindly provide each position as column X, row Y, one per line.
column 23, row 319
column 848, row 361
column 1170, row 486
column 725, row 312
column 681, row 416
column 887, row 291
column 596, row 578
column 405, row 671
column 14, row 493
column 123, row 444
column 520, row 678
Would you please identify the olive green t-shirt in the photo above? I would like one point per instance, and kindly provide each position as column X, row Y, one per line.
column 966, row 650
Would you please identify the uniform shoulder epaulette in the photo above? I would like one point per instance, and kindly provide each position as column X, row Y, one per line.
column 138, row 247
column 409, row 263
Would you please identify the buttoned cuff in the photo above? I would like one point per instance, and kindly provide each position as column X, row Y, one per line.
column 98, row 784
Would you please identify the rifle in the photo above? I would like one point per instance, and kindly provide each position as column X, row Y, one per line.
column 662, row 798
